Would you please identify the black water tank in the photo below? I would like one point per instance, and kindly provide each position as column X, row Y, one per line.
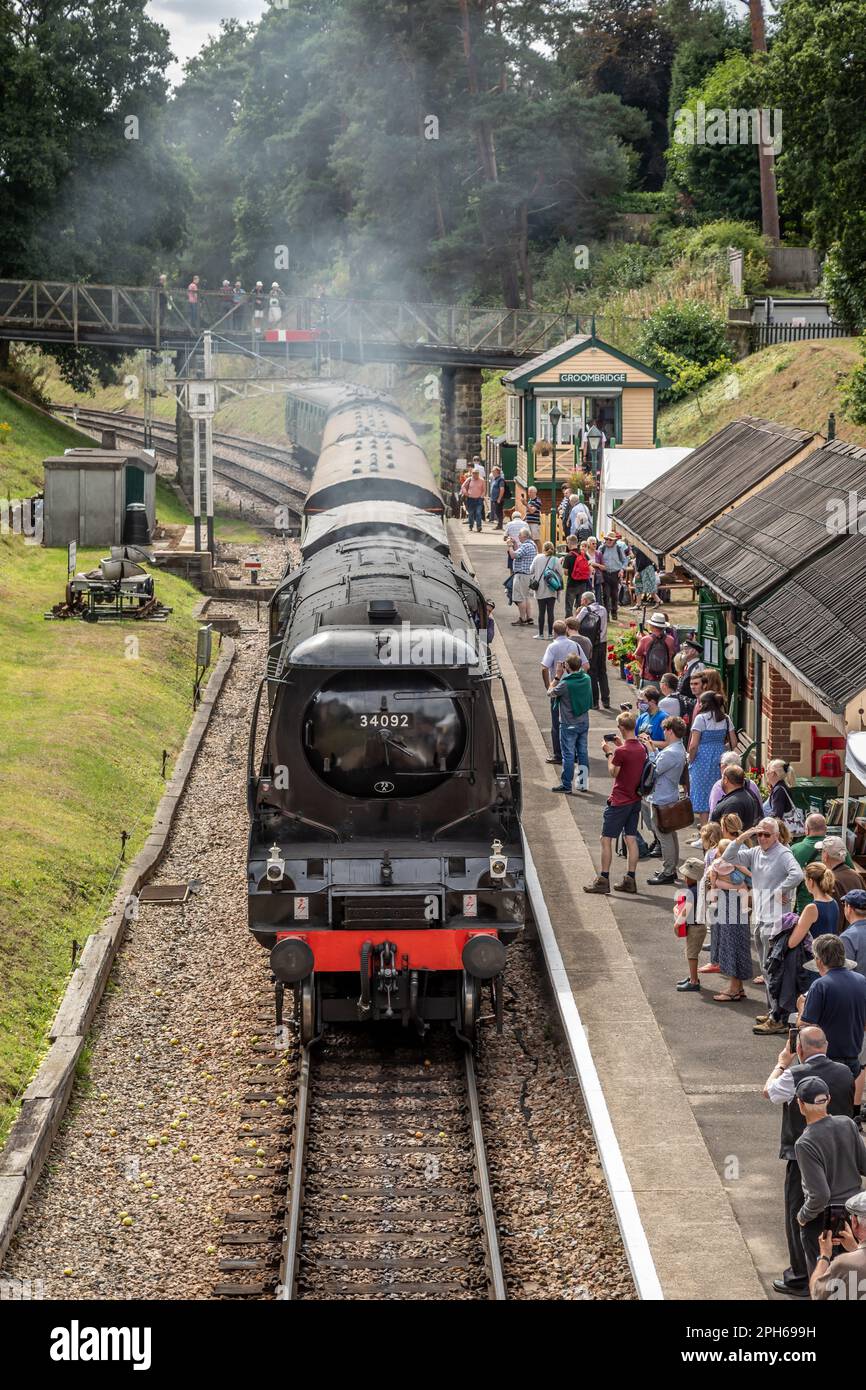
column 135, row 528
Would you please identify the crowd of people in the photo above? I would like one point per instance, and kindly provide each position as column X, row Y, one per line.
column 237, row 310
column 771, row 897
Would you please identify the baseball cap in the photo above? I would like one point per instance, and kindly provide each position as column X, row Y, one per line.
column 832, row 844
column 856, row 1205
column 812, row 1090
column 692, row 868
column 856, row 898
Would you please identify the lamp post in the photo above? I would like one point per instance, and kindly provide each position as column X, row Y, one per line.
column 593, row 434
column 555, row 417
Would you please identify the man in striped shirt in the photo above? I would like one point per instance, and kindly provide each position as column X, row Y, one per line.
column 523, row 552
column 533, row 513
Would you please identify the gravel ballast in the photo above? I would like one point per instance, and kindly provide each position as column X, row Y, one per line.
column 132, row 1201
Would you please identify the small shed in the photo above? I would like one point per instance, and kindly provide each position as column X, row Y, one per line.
column 87, row 492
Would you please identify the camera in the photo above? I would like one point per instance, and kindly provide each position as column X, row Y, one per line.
column 625, row 706
column 276, row 866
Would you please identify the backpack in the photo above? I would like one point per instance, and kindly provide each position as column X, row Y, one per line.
column 657, row 657
column 647, row 779
column 643, row 849
column 551, row 578
column 593, row 630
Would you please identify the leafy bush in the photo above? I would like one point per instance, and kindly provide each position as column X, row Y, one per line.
column 854, row 390
column 641, row 201
column 724, row 232
column 844, row 296
column 624, row 265
column 26, row 374
column 688, row 376
column 689, row 329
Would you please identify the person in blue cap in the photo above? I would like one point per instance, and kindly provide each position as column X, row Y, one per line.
column 854, row 934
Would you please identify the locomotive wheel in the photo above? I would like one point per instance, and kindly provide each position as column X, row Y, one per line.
column 468, row 1007
column 308, row 1011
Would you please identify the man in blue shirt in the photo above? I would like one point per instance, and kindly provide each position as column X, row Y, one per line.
column 854, row 935
column 552, row 668
column 650, row 717
column 497, row 496
column 522, row 555
column 836, row 1002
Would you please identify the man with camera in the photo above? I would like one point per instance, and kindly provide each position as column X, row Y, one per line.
column 832, row 1158
column 845, row 1276
column 625, row 763
column 809, row 1058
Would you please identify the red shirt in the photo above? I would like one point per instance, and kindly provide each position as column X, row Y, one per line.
column 643, row 647
column 629, row 758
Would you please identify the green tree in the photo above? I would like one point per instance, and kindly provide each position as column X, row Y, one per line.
column 818, row 72
column 419, row 151
column 89, row 189
column 722, row 178
column 202, row 118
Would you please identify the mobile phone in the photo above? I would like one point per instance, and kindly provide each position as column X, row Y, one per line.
column 836, row 1217
column 793, row 1034
column 610, row 738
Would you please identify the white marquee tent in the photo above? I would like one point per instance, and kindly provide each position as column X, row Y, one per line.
column 627, row 471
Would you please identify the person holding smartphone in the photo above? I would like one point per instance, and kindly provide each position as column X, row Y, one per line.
column 807, row 1057
column 625, row 762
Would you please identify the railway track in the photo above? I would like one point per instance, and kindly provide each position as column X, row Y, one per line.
column 375, row 1185
column 269, row 488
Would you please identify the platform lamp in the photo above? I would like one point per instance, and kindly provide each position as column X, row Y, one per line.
column 555, row 417
column 593, row 434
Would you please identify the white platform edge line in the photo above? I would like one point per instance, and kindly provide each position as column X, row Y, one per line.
column 622, row 1195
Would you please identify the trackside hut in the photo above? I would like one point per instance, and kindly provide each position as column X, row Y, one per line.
column 588, row 381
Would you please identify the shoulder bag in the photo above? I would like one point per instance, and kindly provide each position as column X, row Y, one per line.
column 677, row 815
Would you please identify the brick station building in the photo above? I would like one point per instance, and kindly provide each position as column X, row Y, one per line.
column 782, row 593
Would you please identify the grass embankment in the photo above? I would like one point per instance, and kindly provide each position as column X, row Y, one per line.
column 263, row 416
column 85, row 715
column 792, row 383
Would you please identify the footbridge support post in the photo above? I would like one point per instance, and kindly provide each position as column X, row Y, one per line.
column 459, row 421
column 185, row 432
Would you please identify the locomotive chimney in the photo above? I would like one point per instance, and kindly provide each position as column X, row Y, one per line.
column 382, row 610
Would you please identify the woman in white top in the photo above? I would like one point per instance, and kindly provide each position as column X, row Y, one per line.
column 547, row 572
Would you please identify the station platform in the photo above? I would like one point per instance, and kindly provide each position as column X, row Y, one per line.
column 682, row 1075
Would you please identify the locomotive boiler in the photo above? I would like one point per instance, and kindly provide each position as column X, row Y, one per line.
column 385, row 870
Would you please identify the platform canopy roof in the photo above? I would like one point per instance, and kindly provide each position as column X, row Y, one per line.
column 813, row 624
column 756, row 546
column 670, row 511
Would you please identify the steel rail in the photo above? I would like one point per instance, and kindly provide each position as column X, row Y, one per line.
column 289, row 1254
column 492, row 1256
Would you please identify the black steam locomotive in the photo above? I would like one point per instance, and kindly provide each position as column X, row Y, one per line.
column 385, row 867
